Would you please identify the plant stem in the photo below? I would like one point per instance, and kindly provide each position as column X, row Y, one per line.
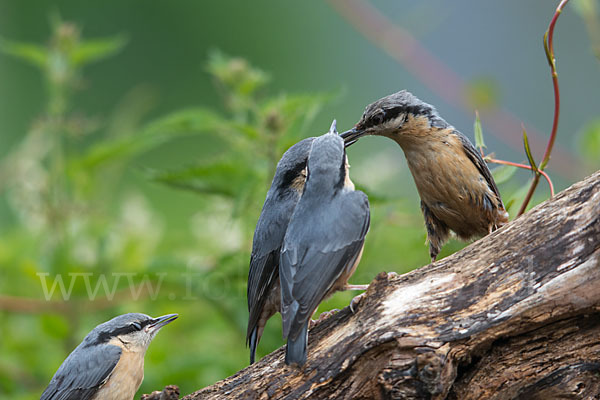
column 514, row 164
column 549, row 48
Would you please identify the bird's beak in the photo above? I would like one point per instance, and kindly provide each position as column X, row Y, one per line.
column 350, row 137
column 159, row 322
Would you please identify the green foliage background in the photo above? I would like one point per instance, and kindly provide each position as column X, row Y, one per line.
column 102, row 201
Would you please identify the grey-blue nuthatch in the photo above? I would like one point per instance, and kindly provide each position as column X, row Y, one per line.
column 456, row 187
column 323, row 242
column 109, row 363
column 263, row 278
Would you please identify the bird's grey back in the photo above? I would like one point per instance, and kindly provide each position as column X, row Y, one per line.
column 327, row 229
column 326, row 161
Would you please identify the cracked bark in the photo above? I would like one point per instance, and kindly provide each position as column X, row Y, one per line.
column 515, row 315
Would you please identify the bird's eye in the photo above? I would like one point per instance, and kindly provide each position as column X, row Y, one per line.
column 136, row 326
column 378, row 118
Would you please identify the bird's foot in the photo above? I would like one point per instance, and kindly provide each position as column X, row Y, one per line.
column 322, row 317
column 433, row 259
column 168, row 393
column 355, row 301
column 355, row 287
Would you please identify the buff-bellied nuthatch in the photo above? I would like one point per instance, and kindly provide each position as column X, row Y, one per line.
column 457, row 190
column 323, row 242
column 109, row 363
column 264, row 297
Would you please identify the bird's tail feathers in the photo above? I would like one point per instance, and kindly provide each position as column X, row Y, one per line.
column 253, row 342
column 295, row 350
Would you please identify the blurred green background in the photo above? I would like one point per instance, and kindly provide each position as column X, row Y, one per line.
column 138, row 139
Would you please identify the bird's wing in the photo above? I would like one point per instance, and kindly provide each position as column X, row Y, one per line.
column 481, row 165
column 83, row 373
column 317, row 249
column 261, row 279
column 264, row 261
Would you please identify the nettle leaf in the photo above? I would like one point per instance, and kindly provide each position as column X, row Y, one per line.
column 186, row 122
column 90, row 51
column 225, row 178
column 189, row 120
column 503, row 173
column 31, row 53
column 247, row 131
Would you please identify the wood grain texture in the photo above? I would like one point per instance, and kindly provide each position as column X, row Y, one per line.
column 515, row 315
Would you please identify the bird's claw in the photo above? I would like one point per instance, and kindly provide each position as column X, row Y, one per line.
column 322, row 317
column 355, row 301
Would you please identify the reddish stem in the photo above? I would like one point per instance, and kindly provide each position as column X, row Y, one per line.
column 524, row 166
column 552, row 61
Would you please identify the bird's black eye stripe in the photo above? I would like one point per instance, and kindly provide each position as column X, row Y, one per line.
column 106, row 336
column 292, row 174
column 389, row 114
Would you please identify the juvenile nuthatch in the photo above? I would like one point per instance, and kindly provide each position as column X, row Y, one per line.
column 264, row 296
column 457, row 190
column 109, row 363
column 323, row 243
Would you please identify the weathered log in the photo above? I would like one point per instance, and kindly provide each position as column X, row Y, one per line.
column 515, row 315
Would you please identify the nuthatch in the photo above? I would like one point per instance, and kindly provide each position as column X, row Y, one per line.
column 263, row 278
column 323, row 243
column 109, row 363
column 456, row 187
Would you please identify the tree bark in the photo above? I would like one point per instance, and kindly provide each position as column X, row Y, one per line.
column 515, row 315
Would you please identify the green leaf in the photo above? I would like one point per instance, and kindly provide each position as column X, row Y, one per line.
column 516, row 198
column 590, row 141
column 479, row 143
column 177, row 124
column 247, row 130
column 503, row 173
column 509, row 204
column 90, row 51
column 225, row 178
column 528, row 151
column 197, row 119
column 32, row 53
